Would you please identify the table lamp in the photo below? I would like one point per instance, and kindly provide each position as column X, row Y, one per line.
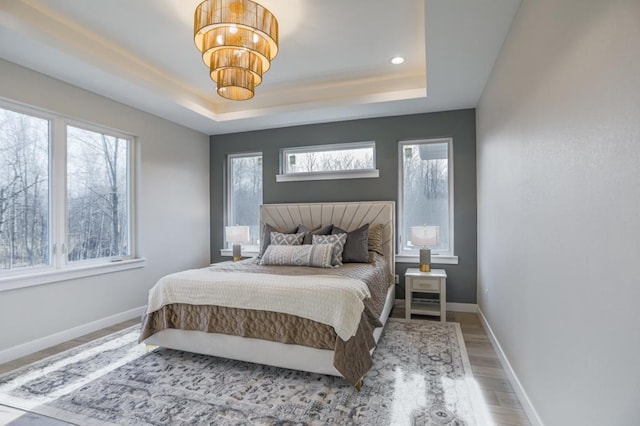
column 425, row 237
column 236, row 235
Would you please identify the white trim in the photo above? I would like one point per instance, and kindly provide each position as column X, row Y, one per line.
column 462, row 307
column 437, row 259
column 344, row 174
column 534, row 418
column 49, row 275
column 244, row 253
column 21, row 350
column 450, row 159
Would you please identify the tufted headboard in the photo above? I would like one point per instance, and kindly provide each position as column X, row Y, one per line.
column 346, row 215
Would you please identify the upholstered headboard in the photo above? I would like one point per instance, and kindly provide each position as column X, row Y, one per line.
column 347, row 215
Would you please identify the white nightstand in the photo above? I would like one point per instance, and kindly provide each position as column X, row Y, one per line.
column 434, row 282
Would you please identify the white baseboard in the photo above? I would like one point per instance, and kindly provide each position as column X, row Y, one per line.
column 23, row 349
column 451, row 307
column 528, row 407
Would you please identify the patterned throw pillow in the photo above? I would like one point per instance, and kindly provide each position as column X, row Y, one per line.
column 318, row 255
column 338, row 240
column 279, row 239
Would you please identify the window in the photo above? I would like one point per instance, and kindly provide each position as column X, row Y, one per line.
column 337, row 161
column 24, row 191
column 426, row 192
column 65, row 197
column 97, row 202
column 244, row 194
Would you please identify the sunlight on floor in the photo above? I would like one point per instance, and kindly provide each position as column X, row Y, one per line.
column 33, row 376
column 408, row 395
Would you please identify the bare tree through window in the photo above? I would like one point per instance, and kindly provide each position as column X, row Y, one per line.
column 97, row 184
column 24, row 190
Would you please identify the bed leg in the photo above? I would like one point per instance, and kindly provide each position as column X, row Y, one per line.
column 359, row 385
column 149, row 348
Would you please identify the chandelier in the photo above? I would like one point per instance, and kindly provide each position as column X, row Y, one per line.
column 238, row 39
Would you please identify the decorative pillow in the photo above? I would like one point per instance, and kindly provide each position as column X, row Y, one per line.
column 318, row 255
column 375, row 239
column 338, row 240
column 280, row 239
column 356, row 248
column 266, row 236
column 308, row 238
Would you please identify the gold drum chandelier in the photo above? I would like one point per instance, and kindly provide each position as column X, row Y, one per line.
column 238, row 40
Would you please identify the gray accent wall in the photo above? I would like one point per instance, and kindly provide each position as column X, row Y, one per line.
column 386, row 132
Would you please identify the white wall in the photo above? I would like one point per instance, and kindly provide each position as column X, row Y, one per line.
column 173, row 211
column 558, row 148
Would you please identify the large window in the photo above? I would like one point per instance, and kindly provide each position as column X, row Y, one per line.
column 426, row 192
column 65, row 194
column 336, row 161
column 244, row 194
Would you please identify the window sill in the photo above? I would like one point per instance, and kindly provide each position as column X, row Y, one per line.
column 244, row 253
column 435, row 259
column 46, row 276
column 357, row 174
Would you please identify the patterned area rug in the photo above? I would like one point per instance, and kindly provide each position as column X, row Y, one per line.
column 420, row 376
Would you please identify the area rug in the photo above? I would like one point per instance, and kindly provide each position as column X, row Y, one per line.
column 420, row 376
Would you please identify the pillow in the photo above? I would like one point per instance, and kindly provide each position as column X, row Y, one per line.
column 266, row 236
column 356, row 248
column 280, row 239
column 338, row 241
column 375, row 239
column 308, row 238
column 318, row 255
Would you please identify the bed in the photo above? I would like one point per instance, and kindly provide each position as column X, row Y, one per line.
column 292, row 337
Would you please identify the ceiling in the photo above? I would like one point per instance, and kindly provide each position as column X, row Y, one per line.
column 333, row 63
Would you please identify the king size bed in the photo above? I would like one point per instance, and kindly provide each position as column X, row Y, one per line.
column 302, row 304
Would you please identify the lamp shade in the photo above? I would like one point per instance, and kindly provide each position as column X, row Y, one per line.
column 425, row 236
column 236, row 234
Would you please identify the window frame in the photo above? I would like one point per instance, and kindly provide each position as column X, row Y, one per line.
column 287, row 176
column 246, row 249
column 59, row 267
column 407, row 255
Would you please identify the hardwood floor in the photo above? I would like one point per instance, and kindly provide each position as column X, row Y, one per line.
column 500, row 401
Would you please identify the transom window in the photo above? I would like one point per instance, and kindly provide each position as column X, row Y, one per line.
column 336, row 161
column 426, row 192
column 65, row 193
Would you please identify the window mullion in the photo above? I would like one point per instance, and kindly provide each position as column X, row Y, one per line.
column 58, row 193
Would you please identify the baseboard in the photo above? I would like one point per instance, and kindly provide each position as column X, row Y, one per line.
column 23, row 349
column 528, row 407
column 451, row 307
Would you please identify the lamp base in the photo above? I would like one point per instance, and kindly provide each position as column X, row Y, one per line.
column 237, row 252
column 425, row 268
column 425, row 260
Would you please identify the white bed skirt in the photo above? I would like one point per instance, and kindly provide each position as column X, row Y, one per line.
column 259, row 351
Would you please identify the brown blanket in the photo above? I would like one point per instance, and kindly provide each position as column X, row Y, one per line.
column 351, row 358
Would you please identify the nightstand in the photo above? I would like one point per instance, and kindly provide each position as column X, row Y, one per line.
column 434, row 282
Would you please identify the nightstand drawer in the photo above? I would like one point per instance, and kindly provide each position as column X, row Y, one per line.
column 427, row 284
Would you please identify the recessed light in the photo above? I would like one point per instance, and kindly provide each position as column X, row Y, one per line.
column 397, row 60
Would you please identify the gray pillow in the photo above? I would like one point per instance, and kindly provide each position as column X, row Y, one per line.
column 266, row 236
column 309, row 233
column 356, row 248
column 338, row 241
column 279, row 239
